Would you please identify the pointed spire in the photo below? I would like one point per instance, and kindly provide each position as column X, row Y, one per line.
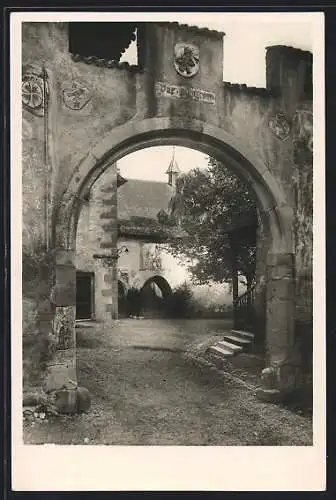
column 173, row 170
column 173, row 166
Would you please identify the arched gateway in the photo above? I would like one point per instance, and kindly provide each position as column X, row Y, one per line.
column 264, row 135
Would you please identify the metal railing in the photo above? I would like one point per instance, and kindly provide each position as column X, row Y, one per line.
column 244, row 313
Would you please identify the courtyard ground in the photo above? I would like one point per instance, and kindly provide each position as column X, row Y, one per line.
column 151, row 385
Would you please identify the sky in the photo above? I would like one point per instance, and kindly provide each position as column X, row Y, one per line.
column 246, row 38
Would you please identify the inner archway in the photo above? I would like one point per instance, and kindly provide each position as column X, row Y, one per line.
column 154, row 294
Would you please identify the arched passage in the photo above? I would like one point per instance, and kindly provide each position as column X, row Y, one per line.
column 161, row 283
column 276, row 213
column 154, row 294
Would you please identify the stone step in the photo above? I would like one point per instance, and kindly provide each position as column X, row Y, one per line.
column 239, row 341
column 82, row 323
column 215, row 349
column 241, row 333
column 223, row 344
column 107, row 244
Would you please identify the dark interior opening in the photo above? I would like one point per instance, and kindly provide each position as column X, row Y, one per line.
column 102, row 40
column 84, row 295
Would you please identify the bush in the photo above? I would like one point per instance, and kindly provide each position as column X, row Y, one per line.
column 180, row 303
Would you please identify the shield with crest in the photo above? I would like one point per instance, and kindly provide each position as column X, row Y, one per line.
column 33, row 92
column 186, row 59
column 280, row 126
column 76, row 95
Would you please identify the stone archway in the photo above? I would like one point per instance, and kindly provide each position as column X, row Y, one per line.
column 276, row 216
column 153, row 303
column 161, row 282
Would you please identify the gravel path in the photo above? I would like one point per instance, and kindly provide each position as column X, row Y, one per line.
column 148, row 390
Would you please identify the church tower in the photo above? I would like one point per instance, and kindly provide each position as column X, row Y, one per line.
column 173, row 171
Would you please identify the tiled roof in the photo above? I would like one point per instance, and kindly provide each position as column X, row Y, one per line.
column 108, row 63
column 143, row 199
column 195, row 29
column 294, row 50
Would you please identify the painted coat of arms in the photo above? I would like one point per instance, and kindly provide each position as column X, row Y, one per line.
column 280, row 126
column 152, row 260
column 76, row 95
column 186, row 59
column 33, row 92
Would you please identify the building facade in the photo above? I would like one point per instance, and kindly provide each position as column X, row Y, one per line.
column 142, row 255
column 144, row 260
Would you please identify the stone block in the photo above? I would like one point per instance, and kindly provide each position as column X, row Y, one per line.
column 280, row 259
column 65, row 257
column 60, row 376
column 65, row 288
column 279, row 289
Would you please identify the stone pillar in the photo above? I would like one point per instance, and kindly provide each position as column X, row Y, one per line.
column 262, row 245
column 109, row 243
column 282, row 373
column 114, row 288
column 110, row 290
column 61, row 374
column 62, row 370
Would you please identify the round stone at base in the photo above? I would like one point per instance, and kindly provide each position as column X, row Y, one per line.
column 70, row 401
column 83, row 400
column 66, row 401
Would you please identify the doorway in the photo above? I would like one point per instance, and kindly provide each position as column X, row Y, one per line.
column 122, row 300
column 84, row 295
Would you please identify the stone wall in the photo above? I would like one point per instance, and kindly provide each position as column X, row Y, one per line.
column 303, row 233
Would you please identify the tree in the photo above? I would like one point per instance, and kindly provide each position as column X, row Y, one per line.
column 218, row 218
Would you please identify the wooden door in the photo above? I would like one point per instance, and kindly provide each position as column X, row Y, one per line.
column 84, row 295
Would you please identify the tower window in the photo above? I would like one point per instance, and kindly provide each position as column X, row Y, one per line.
column 102, row 40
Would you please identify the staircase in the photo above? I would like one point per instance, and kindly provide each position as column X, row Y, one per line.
column 234, row 342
